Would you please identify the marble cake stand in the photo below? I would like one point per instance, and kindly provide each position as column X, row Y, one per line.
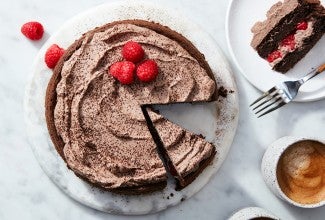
column 217, row 121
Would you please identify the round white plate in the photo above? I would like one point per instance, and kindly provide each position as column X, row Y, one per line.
column 241, row 16
column 216, row 120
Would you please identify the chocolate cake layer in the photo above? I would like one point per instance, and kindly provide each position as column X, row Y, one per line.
column 294, row 57
column 96, row 123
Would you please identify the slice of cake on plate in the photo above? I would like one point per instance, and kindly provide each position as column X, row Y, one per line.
column 291, row 29
column 186, row 154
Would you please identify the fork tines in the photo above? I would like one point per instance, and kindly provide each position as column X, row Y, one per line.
column 269, row 101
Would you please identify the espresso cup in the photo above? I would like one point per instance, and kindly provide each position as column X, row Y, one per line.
column 253, row 213
column 285, row 166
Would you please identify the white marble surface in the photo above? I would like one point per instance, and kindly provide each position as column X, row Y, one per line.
column 27, row 193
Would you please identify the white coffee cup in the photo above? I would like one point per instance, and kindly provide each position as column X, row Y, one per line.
column 251, row 213
column 269, row 167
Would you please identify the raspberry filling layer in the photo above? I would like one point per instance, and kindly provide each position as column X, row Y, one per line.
column 291, row 43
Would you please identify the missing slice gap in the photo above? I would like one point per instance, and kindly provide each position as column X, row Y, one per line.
column 162, row 152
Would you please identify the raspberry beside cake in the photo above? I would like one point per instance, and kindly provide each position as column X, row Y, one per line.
column 97, row 124
column 291, row 29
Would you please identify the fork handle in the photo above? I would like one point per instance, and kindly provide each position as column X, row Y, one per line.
column 321, row 68
column 312, row 74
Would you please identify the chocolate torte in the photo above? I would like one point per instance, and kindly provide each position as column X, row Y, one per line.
column 97, row 124
column 291, row 29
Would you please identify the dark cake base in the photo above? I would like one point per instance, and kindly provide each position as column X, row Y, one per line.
column 136, row 190
column 192, row 176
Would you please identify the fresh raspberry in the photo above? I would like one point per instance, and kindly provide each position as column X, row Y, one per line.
column 32, row 30
column 52, row 55
column 132, row 51
column 123, row 71
column 115, row 68
column 273, row 56
column 302, row 25
column 289, row 41
column 147, row 71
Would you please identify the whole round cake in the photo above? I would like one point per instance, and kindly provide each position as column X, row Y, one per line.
column 106, row 131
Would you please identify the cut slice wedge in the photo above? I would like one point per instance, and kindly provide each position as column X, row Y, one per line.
column 184, row 154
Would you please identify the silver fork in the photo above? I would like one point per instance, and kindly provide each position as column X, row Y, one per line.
column 281, row 94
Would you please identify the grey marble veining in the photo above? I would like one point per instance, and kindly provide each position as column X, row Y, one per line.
column 27, row 193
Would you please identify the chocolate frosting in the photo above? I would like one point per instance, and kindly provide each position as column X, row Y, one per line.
column 100, row 120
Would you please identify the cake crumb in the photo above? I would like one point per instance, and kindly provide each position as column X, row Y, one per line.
column 182, row 199
column 171, row 194
column 167, row 197
column 223, row 92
